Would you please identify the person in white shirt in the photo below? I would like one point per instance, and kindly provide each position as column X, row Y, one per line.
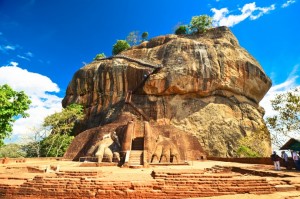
column 285, row 158
column 296, row 159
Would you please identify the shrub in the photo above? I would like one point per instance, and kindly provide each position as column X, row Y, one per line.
column 244, row 151
column 120, row 46
column 181, row 30
column 100, row 56
column 12, row 151
column 145, row 36
column 200, row 24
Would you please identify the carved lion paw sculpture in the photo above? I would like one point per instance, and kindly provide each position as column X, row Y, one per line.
column 165, row 151
column 108, row 147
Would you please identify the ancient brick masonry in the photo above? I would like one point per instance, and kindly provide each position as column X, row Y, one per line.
column 165, row 184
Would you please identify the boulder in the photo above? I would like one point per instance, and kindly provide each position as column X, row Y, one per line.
column 205, row 85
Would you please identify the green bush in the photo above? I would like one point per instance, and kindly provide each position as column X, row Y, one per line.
column 181, row 30
column 145, row 36
column 55, row 145
column 200, row 24
column 120, row 46
column 100, row 56
column 244, row 151
column 12, row 151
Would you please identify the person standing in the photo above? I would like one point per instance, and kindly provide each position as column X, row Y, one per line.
column 275, row 158
column 285, row 158
column 296, row 160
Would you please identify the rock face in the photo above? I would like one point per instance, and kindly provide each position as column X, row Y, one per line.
column 205, row 85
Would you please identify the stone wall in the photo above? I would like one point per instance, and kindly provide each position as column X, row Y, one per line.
column 264, row 160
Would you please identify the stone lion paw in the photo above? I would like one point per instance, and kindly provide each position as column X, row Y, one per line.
column 165, row 151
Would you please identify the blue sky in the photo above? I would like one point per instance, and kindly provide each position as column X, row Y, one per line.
column 44, row 42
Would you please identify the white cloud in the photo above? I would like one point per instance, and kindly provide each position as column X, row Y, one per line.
column 29, row 54
column 8, row 47
column 288, row 3
column 287, row 85
column 37, row 87
column 222, row 17
column 23, row 57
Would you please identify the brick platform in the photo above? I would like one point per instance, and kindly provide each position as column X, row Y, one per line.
column 165, row 184
column 73, row 181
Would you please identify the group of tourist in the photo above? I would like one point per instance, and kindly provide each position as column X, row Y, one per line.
column 284, row 157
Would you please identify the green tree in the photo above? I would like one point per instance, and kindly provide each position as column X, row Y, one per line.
column 55, row 145
column 181, row 30
column 61, row 127
column 286, row 121
column 100, row 56
column 145, row 36
column 64, row 121
column 200, row 24
column 12, row 151
column 133, row 38
column 120, row 46
column 13, row 104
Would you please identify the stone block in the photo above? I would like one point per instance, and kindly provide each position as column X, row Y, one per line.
column 285, row 188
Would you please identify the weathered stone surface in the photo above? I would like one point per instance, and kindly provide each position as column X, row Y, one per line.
column 159, row 143
column 207, row 86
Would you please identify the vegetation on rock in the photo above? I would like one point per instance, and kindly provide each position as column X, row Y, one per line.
column 100, row 56
column 13, row 104
column 200, row 24
column 133, row 38
column 181, row 30
column 120, row 46
column 286, row 122
column 249, row 145
column 145, row 36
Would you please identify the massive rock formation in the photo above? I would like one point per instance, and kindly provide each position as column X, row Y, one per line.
column 205, row 85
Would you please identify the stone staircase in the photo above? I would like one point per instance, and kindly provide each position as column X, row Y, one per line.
column 136, row 158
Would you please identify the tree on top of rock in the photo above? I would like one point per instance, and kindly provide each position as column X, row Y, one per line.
column 100, row 56
column 133, row 38
column 145, row 36
column 200, row 24
column 286, row 122
column 181, row 30
column 120, row 46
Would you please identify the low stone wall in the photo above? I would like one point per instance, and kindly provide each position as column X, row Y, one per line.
column 23, row 160
column 264, row 160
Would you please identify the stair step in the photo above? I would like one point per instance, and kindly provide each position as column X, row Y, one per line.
column 136, row 157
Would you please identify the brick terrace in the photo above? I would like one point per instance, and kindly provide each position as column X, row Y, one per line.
column 200, row 179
